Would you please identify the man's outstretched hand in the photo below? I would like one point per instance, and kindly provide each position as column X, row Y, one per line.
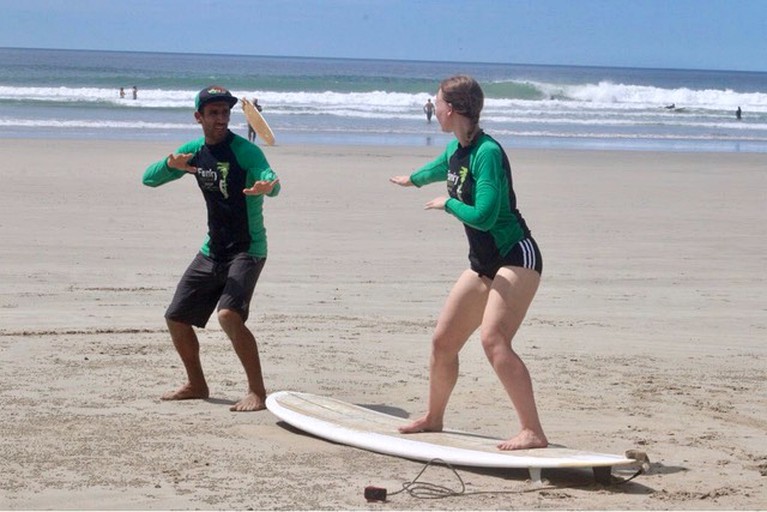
column 180, row 161
column 261, row 187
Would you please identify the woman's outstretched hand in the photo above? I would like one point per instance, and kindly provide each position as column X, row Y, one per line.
column 402, row 181
column 438, row 203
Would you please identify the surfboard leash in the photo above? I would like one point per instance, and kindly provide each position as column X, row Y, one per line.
column 428, row 490
column 431, row 491
column 644, row 466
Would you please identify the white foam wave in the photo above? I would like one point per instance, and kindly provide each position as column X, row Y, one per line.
column 589, row 97
column 610, row 93
column 80, row 123
column 402, row 130
column 624, row 136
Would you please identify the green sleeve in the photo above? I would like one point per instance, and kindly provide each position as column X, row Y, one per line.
column 159, row 173
column 252, row 159
column 435, row 170
column 489, row 177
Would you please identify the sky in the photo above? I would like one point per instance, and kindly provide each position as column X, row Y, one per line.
column 682, row 34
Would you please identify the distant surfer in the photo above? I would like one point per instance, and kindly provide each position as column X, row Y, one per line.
column 671, row 107
column 428, row 109
column 234, row 177
column 505, row 262
column 251, row 132
column 738, row 114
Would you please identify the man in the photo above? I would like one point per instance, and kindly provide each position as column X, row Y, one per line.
column 234, row 177
column 251, row 132
column 428, row 109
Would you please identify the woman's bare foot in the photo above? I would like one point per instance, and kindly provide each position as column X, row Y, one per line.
column 251, row 402
column 423, row 424
column 187, row 392
column 525, row 440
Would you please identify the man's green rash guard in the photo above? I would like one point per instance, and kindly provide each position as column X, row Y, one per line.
column 481, row 195
column 235, row 221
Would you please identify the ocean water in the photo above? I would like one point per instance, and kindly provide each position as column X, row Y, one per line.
column 74, row 94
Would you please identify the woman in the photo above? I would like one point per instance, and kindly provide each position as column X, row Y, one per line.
column 506, row 265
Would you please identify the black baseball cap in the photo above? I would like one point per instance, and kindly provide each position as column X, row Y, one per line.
column 213, row 93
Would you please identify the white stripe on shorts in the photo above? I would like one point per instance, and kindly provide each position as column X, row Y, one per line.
column 528, row 253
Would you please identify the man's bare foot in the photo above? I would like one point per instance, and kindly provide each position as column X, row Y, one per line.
column 525, row 440
column 423, row 424
column 251, row 402
column 187, row 392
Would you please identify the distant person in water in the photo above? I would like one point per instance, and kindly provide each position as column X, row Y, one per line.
column 251, row 132
column 428, row 109
column 135, row 92
column 122, row 92
column 738, row 114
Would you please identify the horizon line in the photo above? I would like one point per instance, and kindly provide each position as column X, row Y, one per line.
column 489, row 63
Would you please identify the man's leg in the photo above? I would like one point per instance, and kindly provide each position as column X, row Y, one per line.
column 188, row 348
column 233, row 311
column 245, row 346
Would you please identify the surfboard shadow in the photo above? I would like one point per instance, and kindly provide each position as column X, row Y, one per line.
column 561, row 479
column 387, row 409
column 219, row 401
column 295, row 430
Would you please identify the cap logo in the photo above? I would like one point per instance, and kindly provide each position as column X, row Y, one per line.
column 216, row 90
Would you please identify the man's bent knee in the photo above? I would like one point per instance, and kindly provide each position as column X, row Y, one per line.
column 175, row 326
column 229, row 317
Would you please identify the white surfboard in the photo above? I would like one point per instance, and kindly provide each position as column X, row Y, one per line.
column 357, row 426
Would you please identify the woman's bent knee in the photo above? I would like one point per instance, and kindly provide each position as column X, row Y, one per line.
column 494, row 344
column 445, row 347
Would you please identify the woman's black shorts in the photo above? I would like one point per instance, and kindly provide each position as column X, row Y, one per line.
column 525, row 254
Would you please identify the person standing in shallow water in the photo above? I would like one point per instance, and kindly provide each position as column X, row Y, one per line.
column 234, row 177
column 428, row 109
column 505, row 262
column 252, row 135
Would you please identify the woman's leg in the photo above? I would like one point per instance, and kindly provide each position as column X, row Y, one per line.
column 460, row 317
column 512, row 292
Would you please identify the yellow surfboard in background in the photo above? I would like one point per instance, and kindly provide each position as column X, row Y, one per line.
column 257, row 122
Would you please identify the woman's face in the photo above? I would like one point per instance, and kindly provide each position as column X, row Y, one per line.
column 442, row 110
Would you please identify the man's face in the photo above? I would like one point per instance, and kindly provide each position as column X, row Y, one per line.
column 214, row 120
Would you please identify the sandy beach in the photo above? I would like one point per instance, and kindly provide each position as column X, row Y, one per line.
column 648, row 331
